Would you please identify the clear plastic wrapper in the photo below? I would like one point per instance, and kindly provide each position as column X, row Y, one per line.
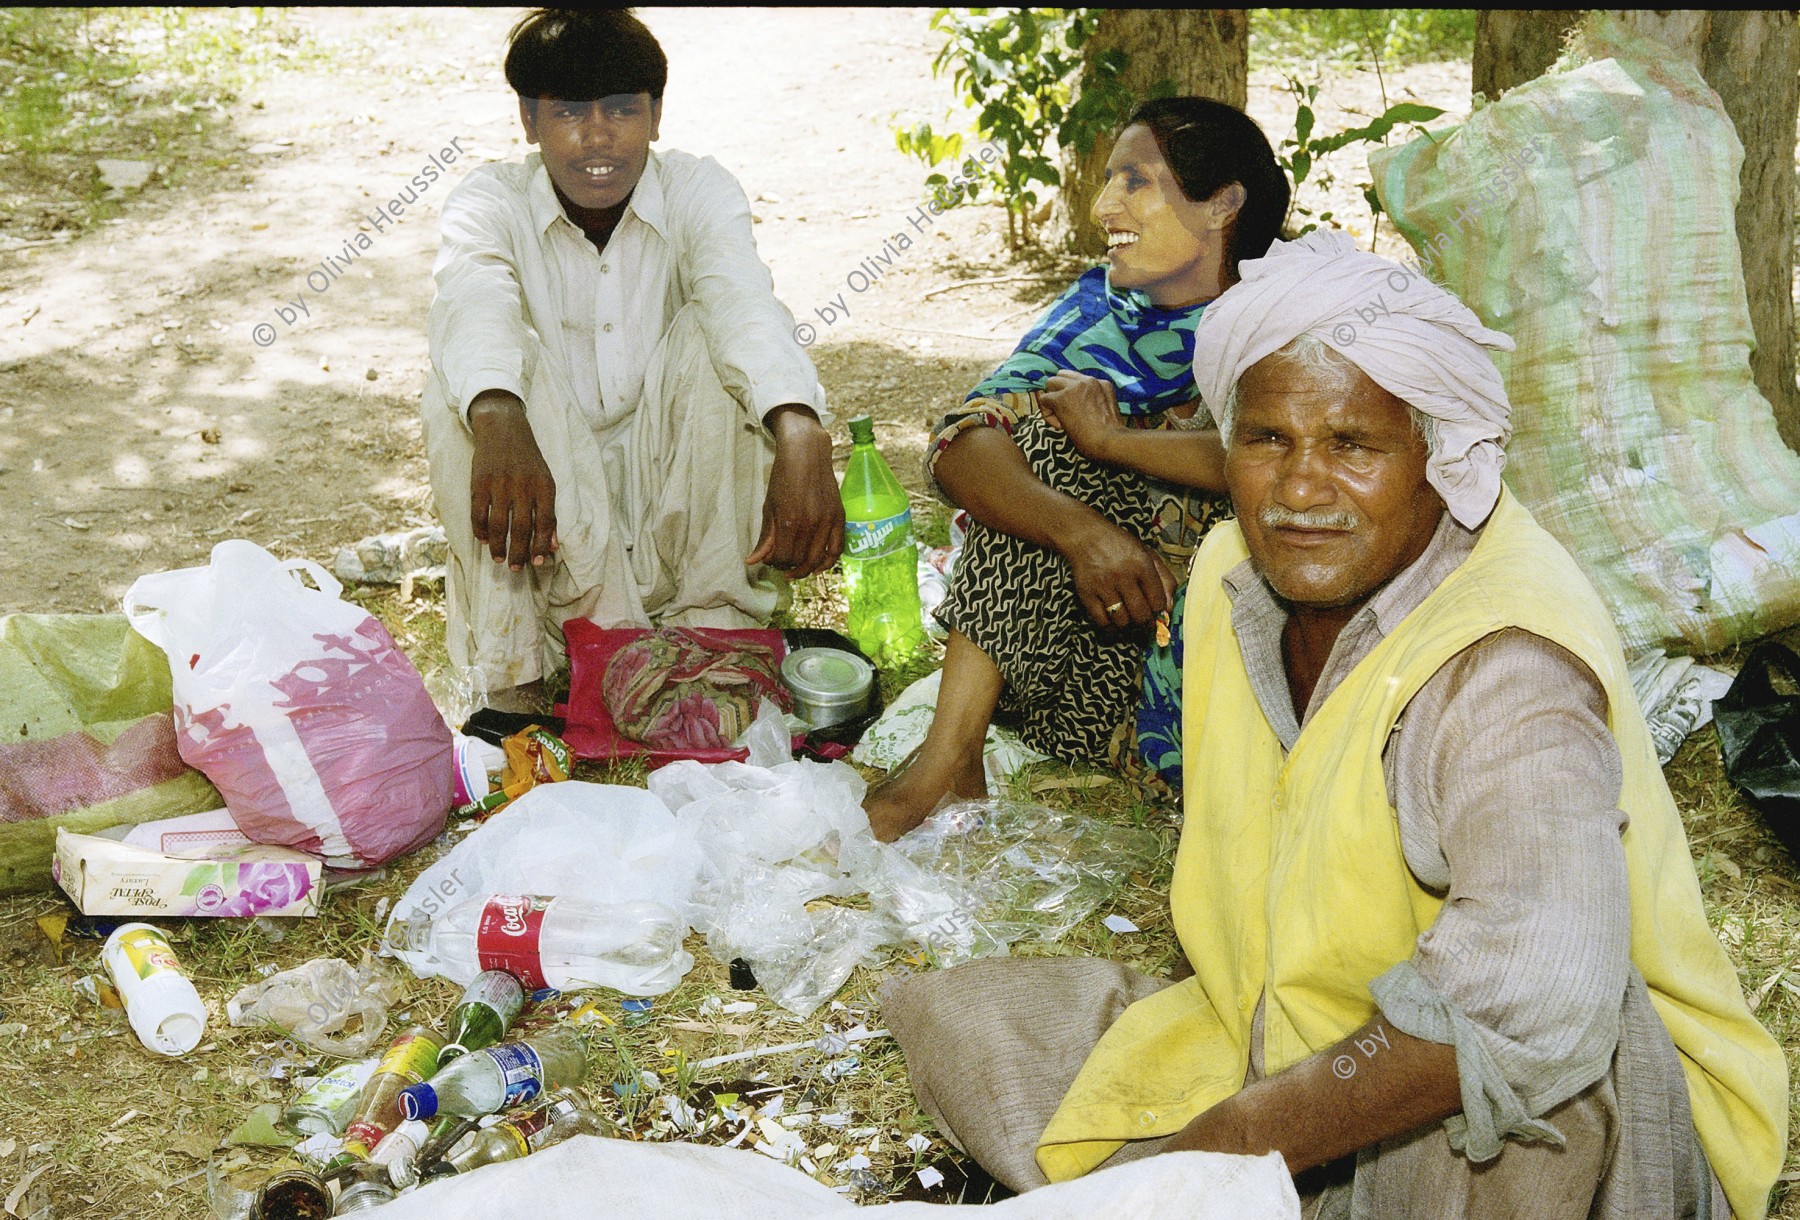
column 980, row 875
column 327, row 1004
column 976, row 877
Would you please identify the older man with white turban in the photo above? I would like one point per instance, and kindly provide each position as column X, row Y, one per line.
column 1443, row 943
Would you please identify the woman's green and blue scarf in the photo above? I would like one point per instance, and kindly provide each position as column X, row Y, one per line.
column 1146, row 352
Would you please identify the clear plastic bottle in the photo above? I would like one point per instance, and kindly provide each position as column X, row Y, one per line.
column 633, row 947
column 165, row 1011
column 496, row 1078
column 881, row 567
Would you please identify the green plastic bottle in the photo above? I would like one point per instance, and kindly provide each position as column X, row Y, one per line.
column 881, row 568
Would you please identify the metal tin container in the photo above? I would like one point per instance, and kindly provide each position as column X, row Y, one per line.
column 829, row 685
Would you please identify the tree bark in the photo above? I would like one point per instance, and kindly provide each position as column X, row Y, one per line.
column 1514, row 45
column 1751, row 58
column 1202, row 52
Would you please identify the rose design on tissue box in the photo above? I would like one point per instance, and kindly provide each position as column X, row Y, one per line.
column 264, row 886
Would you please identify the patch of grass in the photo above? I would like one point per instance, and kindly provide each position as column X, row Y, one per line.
column 1402, row 35
column 128, row 83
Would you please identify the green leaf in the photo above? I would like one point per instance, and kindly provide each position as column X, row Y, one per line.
column 1302, row 165
column 1303, row 124
column 1411, row 112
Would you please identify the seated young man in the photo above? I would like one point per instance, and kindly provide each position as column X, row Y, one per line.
column 614, row 386
column 1446, row 948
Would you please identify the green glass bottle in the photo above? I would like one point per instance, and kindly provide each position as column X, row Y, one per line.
column 881, row 568
column 488, row 1006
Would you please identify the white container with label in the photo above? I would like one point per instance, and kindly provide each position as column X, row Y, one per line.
column 165, row 1011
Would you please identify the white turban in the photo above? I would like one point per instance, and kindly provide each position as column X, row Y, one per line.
column 1411, row 337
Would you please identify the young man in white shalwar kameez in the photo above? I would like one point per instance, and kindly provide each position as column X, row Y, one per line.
column 620, row 423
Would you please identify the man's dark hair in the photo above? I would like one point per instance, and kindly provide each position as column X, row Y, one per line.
column 582, row 55
column 1209, row 145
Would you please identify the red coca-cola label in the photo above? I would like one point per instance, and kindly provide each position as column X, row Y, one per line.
column 507, row 937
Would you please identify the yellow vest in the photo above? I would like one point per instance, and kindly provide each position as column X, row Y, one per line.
column 1290, row 879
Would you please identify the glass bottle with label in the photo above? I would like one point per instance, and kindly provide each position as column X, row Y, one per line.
column 488, row 1006
column 409, row 1059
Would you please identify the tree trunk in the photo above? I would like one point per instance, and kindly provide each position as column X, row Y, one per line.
column 1751, row 58
column 1201, row 52
column 1514, row 45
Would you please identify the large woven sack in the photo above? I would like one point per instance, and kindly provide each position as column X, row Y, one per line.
column 1590, row 214
column 87, row 738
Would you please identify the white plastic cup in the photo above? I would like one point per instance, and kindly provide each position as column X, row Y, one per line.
column 475, row 763
column 165, row 1011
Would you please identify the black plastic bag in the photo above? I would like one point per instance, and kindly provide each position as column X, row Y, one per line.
column 1759, row 732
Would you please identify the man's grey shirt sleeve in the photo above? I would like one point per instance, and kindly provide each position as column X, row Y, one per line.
column 1507, row 780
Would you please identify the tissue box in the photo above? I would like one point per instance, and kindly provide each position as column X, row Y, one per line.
column 106, row 877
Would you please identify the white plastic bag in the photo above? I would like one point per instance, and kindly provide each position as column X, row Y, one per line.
column 678, row 1181
column 298, row 706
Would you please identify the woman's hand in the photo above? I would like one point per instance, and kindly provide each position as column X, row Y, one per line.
column 1119, row 580
column 1084, row 407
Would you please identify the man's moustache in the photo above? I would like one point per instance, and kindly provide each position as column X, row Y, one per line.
column 1276, row 517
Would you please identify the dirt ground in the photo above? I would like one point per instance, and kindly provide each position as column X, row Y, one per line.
column 142, row 418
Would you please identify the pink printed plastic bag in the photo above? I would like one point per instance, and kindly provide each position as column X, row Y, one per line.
column 298, row 706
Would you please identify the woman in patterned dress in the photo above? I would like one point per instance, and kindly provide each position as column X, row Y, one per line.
column 1080, row 459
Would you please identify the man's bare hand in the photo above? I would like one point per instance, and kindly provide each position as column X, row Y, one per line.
column 1119, row 580
column 803, row 514
column 1087, row 408
column 512, row 496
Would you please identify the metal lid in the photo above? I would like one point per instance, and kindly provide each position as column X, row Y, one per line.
column 827, row 675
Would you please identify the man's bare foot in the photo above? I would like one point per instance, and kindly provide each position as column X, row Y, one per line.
column 907, row 797
column 526, row 698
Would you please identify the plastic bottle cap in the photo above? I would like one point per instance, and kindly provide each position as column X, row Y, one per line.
column 178, row 1034
column 418, row 1101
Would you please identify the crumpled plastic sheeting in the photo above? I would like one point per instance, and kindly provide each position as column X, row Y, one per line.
column 980, row 875
column 773, row 839
column 684, row 1181
column 974, row 878
column 316, row 1001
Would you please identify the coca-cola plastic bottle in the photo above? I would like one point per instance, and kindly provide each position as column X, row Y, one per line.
column 566, row 943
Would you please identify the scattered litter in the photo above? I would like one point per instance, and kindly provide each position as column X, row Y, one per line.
column 929, row 1178
column 919, row 1144
column 1118, row 923
column 387, row 559
column 783, row 1049
column 326, row 1003
column 165, row 1011
column 739, row 1006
